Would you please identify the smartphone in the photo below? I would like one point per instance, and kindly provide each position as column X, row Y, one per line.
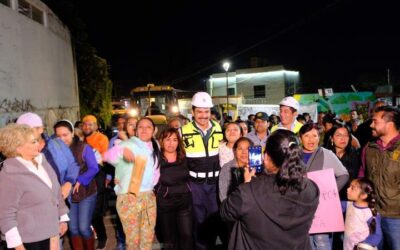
column 255, row 158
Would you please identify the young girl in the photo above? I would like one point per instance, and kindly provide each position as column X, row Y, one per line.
column 362, row 224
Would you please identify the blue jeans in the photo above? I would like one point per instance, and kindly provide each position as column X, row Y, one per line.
column 320, row 241
column 391, row 233
column 80, row 217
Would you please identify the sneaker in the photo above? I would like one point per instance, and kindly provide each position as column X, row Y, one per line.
column 101, row 244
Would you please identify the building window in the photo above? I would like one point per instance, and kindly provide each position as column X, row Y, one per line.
column 259, row 91
column 5, row 2
column 30, row 11
column 37, row 15
column 231, row 91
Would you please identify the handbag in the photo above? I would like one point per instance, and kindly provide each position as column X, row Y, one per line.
column 84, row 191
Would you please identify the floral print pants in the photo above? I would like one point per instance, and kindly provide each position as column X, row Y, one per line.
column 138, row 217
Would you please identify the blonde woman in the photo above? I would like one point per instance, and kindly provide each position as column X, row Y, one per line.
column 32, row 210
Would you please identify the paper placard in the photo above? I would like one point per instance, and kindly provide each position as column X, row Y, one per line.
column 329, row 215
column 137, row 174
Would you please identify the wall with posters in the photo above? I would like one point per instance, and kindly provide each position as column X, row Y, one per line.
column 340, row 103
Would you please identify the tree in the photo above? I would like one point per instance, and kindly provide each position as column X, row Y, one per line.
column 95, row 85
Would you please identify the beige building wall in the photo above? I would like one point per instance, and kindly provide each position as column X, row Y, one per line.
column 37, row 68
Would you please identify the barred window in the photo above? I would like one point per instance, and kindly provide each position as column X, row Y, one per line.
column 259, row 91
column 25, row 8
column 37, row 15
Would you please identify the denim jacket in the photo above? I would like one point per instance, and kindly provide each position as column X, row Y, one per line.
column 61, row 159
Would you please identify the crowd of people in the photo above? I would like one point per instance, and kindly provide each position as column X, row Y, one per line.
column 191, row 186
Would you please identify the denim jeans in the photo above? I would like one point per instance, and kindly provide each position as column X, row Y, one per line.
column 320, row 241
column 391, row 233
column 80, row 215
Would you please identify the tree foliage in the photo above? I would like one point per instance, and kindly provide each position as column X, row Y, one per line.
column 95, row 85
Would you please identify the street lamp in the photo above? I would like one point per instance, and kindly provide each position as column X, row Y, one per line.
column 226, row 68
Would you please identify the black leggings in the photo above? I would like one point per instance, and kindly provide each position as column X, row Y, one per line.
column 101, row 207
column 174, row 221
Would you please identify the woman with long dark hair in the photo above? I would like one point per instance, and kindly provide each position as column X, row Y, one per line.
column 339, row 142
column 137, row 211
column 174, row 198
column 274, row 210
column 83, row 199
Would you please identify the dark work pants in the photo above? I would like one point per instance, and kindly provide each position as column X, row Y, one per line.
column 101, row 207
column 174, row 221
column 38, row 245
column 119, row 230
column 205, row 214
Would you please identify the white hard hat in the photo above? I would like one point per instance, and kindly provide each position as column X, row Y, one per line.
column 202, row 100
column 290, row 102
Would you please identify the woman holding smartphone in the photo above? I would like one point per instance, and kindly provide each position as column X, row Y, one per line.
column 232, row 173
column 274, row 210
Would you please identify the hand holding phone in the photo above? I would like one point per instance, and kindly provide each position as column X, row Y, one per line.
column 255, row 158
column 249, row 173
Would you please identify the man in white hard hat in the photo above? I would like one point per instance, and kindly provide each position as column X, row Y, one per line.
column 201, row 139
column 288, row 110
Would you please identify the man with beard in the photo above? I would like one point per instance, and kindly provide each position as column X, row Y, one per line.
column 381, row 160
column 99, row 142
column 364, row 130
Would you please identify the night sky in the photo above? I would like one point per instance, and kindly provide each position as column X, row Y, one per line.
column 331, row 43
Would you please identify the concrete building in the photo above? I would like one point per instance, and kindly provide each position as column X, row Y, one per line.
column 263, row 85
column 37, row 66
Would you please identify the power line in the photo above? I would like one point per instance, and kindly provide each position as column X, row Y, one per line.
column 267, row 39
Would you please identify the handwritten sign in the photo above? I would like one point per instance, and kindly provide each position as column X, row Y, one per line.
column 328, row 217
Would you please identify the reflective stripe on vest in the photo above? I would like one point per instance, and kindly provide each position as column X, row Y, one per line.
column 200, row 154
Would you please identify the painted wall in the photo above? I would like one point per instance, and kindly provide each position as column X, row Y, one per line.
column 340, row 103
column 37, row 70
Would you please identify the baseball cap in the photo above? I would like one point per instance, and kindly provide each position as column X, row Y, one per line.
column 31, row 119
column 261, row 115
column 289, row 101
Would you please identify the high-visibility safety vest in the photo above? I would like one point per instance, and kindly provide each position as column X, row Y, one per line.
column 296, row 126
column 202, row 155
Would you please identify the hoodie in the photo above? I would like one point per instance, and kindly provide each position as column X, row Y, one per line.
column 266, row 219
